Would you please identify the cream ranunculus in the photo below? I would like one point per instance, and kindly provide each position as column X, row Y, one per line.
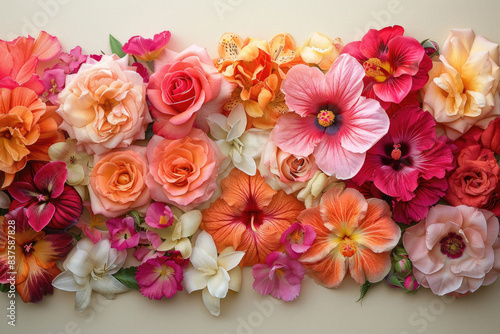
column 462, row 89
column 104, row 105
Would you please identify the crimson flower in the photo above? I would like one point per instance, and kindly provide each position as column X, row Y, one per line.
column 48, row 200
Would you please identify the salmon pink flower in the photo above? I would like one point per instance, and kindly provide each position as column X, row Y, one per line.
column 250, row 216
column 394, row 65
column 48, row 200
column 330, row 120
column 280, row 277
column 352, row 235
column 159, row 277
column 147, row 49
column 122, row 233
column 36, row 255
column 298, row 239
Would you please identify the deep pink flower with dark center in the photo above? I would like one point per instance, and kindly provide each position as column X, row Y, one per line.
column 159, row 277
column 48, row 199
column 394, row 64
column 408, row 152
column 122, row 232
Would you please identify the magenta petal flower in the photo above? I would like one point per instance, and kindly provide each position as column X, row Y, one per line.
column 74, row 59
column 331, row 120
column 298, row 239
column 145, row 48
column 48, row 200
column 53, row 81
column 122, row 232
column 159, row 277
column 159, row 215
column 281, row 276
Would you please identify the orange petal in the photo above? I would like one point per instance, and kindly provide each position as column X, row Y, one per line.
column 46, row 46
column 342, row 210
column 366, row 263
column 329, row 272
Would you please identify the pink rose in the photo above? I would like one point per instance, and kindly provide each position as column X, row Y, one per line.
column 183, row 171
column 184, row 89
column 103, row 106
column 455, row 249
column 117, row 182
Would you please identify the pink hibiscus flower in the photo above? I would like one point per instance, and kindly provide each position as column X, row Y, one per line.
column 331, row 120
column 395, row 65
column 409, row 151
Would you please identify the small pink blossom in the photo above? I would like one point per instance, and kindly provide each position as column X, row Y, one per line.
column 144, row 253
column 159, row 277
column 298, row 239
column 123, row 233
column 53, row 80
column 281, row 276
column 159, row 215
column 73, row 60
column 147, row 49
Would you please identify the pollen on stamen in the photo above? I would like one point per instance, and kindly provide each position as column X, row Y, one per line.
column 396, row 152
column 326, row 118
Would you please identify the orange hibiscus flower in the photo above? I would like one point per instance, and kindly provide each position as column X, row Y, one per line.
column 250, row 216
column 27, row 129
column 352, row 235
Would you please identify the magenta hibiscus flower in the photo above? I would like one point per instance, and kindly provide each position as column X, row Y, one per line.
column 394, row 64
column 331, row 120
column 409, row 151
column 48, row 200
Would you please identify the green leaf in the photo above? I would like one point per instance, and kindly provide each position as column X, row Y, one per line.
column 126, row 276
column 4, row 288
column 394, row 280
column 364, row 289
column 149, row 131
column 137, row 218
column 116, row 46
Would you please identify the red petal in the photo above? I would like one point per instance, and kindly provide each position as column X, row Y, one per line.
column 23, row 191
column 69, row 208
column 51, row 178
column 39, row 215
column 393, row 89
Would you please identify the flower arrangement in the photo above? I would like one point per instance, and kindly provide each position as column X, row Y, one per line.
column 163, row 171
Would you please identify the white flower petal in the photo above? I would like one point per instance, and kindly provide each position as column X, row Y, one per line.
column 201, row 260
column 108, row 285
column 211, row 303
column 235, row 131
column 194, row 279
column 206, row 242
column 75, row 174
column 184, row 246
column 218, row 126
column 235, row 279
column 65, row 281
column 82, row 299
column 236, row 156
column 229, row 260
column 238, row 114
column 80, row 263
column 225, row 147
column 218, row 284
column 100, row 253
column 190, row 221
column 247, row 165
column 253, row 141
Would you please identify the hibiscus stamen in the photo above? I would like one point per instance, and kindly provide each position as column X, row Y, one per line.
column 28, row 247
column 348, row 247
column 396, row 152
column 377, row 70
column 252, row 219
column 326, row 118
column 41, row 198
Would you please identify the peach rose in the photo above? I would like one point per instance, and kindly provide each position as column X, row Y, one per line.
column 118, row 182
column 104, row 105
column 284, row 170
column 183, row 171
column 462, row 87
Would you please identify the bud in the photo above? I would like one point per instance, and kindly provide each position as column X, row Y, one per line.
column 394, row 281
column 431, row 48
column 411, row 284
column 402, row 266
column 399, row 253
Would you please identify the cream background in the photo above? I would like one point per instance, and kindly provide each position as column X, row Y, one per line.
column 317, row 310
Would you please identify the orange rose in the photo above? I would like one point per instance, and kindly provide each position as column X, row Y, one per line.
column 117, row 182
column 27, row 129
column 183, row 171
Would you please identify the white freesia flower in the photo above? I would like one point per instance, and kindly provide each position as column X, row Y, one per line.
column 4, row 200
column 241, row 147
column 214, row 274
column 90, row 267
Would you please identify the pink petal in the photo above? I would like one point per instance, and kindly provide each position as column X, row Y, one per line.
column 163, row 127
column 407, row 53
column 333, row 159
column 394, row 89
column 435, row 162
column 412, row 125
column 23, row 191
column 46, row 46
column 39, row 215
column 51, row 178
column 400, row 184
column 69, row 208
column 353, row 50
column 297, row 135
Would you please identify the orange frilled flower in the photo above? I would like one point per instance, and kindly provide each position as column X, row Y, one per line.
column 258, row 67
column 27, row 129
column 250, row 216
column 353, row 235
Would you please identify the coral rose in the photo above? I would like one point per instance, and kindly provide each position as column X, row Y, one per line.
column 183, row 171
column 462, row 90
column 184, row 90
column 118, row 182
column 104, row 105
column 490, row 138
column 27, row 129
column 455, row 249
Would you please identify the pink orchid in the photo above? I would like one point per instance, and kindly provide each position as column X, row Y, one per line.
column 395, row 65
column 53, row 80
column 147, row 49
column 159, row 277
column 408, row 152
column 298, row 239
column 48, row 200
column 73, row 60
column 159, row 215
column 281, row 276
column 330, row 120
column 122, row 232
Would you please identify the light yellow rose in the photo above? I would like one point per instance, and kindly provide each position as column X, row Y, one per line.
column 320, row 50
column 462, row 87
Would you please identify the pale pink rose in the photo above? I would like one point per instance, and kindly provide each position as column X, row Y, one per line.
column 118, row 182
column 455, row 250
column 183, row 171
column 462, row 87
column 184, row 89
column 103, row 106
column 284, row 170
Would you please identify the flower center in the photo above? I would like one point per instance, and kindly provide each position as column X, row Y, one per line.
column 377, row 70
column 98, row 273
column 297, row 236
column 348, row 247
column 279, row 274
column 452, row 245
column 396, row 152
column 123, row 179
column 166, row 271
column 72, row 159
column 28, row 247
column 42, row 198
column 326, row 118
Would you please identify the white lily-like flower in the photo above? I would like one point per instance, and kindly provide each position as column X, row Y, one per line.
column 90, row 268
column 176, row 236
column 214, row 274
column 240, row 146
column 4, row 200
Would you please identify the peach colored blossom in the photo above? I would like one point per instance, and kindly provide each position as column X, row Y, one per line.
column 183, row 171
column 104, row 105
column 118, row 182
column 321, row 51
